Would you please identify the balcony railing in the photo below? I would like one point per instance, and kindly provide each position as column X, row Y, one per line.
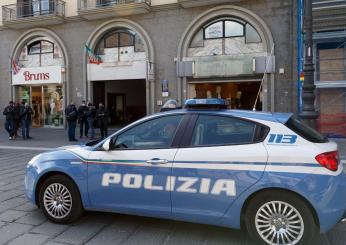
column 20, row 11
column 92, row 4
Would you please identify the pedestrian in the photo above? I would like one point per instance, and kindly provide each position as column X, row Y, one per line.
column 17, row 108
column 25, row 116
column 91, row 119
column 9, row 123
column 71, row 114
column 102, row 120
column 83, row 119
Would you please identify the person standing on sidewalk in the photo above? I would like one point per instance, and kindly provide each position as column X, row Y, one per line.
column 102, row 119
column 25, row 115
column 17, row 108
column 71, row 114
column 82, row 119
column 91, row 119
column 9, row 124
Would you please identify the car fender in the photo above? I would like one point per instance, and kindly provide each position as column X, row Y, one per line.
column 70, row 165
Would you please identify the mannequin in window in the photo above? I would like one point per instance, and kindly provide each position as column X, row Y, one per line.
column 209, row 95
column 238, row 99
column 218, row 92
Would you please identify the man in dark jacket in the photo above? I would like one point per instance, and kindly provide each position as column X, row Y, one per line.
column 71, row 114
column 82, row 119
column 91, row 118
column 17, row 108
column 9, row 112
column 25, row 115
column 102, row 120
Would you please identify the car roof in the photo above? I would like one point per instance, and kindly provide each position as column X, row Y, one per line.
column 260, row 115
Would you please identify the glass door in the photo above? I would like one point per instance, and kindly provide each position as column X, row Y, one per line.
column 36, row 104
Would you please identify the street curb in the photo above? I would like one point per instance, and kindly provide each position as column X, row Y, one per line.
column 26, row 148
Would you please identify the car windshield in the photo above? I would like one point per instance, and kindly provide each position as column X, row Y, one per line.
column 305, row 131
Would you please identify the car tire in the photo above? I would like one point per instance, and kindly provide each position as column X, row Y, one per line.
column 285, row 212
column 60, row 200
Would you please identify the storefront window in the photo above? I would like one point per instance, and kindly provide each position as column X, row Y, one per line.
column 240, row 95
column 53, row 105
column 46, row 101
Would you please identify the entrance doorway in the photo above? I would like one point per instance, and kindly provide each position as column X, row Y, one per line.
column 240, row 95
column 116, row 105
column 124, row 99
column 47, row 102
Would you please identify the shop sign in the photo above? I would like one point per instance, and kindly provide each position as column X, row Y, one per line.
column 38, row 75
column 165, row 88
column 223, row 66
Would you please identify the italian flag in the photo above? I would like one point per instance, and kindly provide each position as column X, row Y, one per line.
column 92, row 57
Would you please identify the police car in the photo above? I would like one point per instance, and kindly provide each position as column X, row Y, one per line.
column 264, row 172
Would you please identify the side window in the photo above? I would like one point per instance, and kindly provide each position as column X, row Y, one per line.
column 156, row 133
column 219, row 130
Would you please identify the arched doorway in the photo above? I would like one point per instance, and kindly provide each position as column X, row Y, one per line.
column 231, row 51
column 124, row 80
column 42, row 76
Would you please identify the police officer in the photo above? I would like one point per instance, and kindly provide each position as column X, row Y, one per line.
column 9, row 112
column 82, row 119
column 17, row 108
column 102, row 119
column 25, row 115
column 71, row 114
column 91, row 119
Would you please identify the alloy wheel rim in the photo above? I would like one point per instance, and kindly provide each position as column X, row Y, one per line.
column 279, row 223
column 57, row 200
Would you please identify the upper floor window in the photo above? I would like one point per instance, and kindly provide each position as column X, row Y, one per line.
column 120, row 38
column 223, row 29
column 40, row 47
column 226, row 28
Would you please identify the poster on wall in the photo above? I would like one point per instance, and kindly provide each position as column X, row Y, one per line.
column 37, row 75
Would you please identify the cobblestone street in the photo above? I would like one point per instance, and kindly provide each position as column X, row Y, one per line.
column 22, row 223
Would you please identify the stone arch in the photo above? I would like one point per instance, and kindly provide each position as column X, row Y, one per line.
column 100, row 31
column 26, row 37
column 231, row 11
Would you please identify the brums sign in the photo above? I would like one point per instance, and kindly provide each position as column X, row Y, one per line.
column 38, row 75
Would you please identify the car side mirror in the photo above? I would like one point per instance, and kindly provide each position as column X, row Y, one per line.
column 106, row 145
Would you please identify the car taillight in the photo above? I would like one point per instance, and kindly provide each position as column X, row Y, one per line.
column 329, row 160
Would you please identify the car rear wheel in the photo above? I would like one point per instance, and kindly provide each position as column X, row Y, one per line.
column 60, row 199
column 280, row 218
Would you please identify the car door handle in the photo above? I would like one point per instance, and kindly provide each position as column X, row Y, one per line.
column 156, row 161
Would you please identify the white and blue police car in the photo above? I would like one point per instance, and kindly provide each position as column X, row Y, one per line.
column 264, row 172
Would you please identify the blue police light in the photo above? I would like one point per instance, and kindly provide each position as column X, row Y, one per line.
column 206, row 103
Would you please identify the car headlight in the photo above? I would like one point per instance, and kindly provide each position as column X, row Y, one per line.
column 34, row 159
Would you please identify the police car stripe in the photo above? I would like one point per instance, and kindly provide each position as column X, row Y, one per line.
column 302, row 168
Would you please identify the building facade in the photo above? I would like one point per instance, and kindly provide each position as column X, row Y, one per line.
column 330, row 65
column 149, row 51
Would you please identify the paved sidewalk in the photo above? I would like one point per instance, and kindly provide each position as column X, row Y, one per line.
column 43, row 138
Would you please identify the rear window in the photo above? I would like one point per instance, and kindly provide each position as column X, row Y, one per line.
column 305, row 131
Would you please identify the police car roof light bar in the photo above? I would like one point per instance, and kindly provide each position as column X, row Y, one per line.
column 206, row 104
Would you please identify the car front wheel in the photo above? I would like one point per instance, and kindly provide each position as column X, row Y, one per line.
column 280, row 218
column 60, row 199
